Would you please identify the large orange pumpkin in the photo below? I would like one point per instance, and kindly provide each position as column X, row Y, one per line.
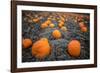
column 26, row 43
column 56, row 34
column 74, row 48
column 41, row 48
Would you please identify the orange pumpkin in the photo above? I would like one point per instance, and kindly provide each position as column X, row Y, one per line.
column 44, row 25
column 84, row 29
column 61, row 22
column 62, row 19
column 41, row 48
column 60, row 25
column 48, row 22
column 36, row 20
column 81, row 24
column 56, row 34
column 74, row 48
column 49, row 18
column 26, row 43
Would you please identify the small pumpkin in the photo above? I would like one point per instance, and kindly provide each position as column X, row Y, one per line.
column 61, row 22
column 84, row 29
column 48, row 22
column 60, row 25
column 56, row 34
column 26, row 43
column 81, row 24
column 49, row 18
column 35, row 20
column 74, row 48
column 62, row 19
column 41, row 48
column 51, row 25
column 63, row 28
column 44, row 25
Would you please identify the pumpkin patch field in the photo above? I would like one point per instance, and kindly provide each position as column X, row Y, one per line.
column 55, row 36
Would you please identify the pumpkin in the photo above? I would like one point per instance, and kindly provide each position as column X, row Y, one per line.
column 41, row 48
column 48, row 22
column 44, row 25
column 81, row 24
column 63, row 28
column 51, row 25
column 84, row 29
column 35, row 20
column 49, row 18
column 56, row 34
column 74, row 48
column 26, row 43
column 61, row 22
column 62, row 19
column 44, row 39
column 60, row 25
